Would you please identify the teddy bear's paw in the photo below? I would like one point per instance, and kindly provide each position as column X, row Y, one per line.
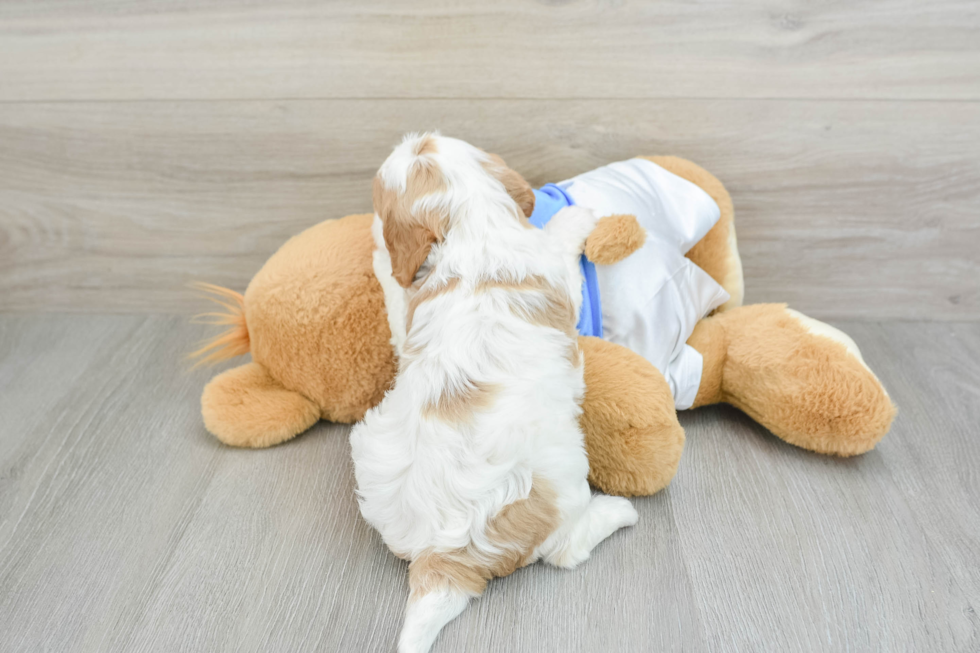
column 245, row 407
column 803, row 380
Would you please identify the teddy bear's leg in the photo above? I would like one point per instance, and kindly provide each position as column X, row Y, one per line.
column 632, row 435
column 717, row 252
column 245, row 407
column 802, row 379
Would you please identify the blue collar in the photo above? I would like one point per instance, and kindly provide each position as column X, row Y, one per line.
column 548, row 200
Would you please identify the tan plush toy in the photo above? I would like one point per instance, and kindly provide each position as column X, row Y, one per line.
column 314, row 321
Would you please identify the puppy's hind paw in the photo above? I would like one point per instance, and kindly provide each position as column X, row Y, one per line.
column 617, row 512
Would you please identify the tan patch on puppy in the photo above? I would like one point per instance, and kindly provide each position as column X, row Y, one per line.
column 458, row 405
column 409, row 233
column 556, row 311
column 530, row 283
column 521, row 527
column 516, row 186
column 432, row 571
column 425, row 146
column 574, row 355
column 518, row 529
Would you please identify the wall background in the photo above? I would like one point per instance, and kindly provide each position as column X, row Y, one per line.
column 144, row 145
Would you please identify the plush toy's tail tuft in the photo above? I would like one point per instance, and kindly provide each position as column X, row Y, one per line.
column 230, row 343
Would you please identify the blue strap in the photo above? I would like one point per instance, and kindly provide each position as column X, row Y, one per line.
column 549, row 200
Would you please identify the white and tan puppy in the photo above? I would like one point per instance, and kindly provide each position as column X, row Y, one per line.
column 473, row 464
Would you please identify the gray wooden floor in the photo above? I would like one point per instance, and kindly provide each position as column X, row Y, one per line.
column 125, row 527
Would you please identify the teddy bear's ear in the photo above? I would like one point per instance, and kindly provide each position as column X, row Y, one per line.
column 515, row 184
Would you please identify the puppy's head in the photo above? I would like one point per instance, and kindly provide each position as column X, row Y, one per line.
column 415, row 189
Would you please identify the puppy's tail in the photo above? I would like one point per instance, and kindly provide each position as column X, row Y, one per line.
column 231, row 342
column 441, row 588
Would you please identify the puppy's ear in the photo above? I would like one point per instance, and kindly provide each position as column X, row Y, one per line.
column 515, row 184
column 408, row 240
column 409, row 245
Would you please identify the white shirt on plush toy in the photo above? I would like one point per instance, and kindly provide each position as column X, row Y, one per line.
column 650, row 301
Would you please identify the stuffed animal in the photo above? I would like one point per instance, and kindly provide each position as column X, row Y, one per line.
column 314, row 320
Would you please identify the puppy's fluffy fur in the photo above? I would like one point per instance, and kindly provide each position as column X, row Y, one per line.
column 474, row 464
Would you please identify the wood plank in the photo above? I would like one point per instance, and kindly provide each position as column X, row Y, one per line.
column 843, row 209
column 941, row 493
column 39, row 366
column 125, row 527
column 875, row 553
column 194, row 49
column 134, row 530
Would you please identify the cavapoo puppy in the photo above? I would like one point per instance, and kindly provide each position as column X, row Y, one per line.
column 474, row 465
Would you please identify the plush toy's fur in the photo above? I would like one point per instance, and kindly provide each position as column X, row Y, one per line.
column 622, row 235
column 631, row 430
column 315, row 324
column 318, row 338
column 770, row 362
